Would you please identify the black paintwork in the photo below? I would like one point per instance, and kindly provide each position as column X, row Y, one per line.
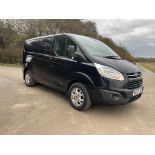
column 121, row 65
column 60, row 72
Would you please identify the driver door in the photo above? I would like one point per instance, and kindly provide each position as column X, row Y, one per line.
column 62, row 62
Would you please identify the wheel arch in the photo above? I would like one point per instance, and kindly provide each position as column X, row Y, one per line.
column 81, row 78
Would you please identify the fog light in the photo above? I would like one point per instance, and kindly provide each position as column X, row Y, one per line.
column 115, row 96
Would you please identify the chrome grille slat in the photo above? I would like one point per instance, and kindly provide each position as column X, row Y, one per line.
column 135, row 80
column 134, row 84
column 133, row 75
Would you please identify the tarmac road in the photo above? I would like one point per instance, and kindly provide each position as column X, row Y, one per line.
column 41, row 110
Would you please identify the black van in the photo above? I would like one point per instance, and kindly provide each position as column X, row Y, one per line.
column 84, row 68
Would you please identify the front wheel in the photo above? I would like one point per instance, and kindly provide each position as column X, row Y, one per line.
column 79, row 97
column 29, row 79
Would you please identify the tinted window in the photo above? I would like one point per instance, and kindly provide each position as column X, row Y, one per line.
column 69, row 42
column 60, row 45
column 43, row 45
column 36, row 44
column 48, row 45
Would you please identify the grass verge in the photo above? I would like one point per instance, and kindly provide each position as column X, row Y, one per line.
column 10, row 65
column 149, row 66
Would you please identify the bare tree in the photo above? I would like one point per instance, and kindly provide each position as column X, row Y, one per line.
column 13, row 32
column 7, row 33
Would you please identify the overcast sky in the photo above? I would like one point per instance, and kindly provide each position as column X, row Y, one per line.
column 138, row 36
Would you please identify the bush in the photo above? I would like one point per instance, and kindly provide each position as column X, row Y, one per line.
column 11, row 55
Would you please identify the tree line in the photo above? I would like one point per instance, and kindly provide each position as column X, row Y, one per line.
column 13, row 33
column 145, row 59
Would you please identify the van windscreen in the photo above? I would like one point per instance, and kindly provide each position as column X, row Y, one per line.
column 95, row 47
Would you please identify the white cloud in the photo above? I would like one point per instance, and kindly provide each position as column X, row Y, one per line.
column 137, row 35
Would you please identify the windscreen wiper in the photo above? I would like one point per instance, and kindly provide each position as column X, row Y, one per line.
column 113, row 57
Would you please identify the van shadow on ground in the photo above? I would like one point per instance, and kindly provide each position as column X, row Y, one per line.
column 96, row 108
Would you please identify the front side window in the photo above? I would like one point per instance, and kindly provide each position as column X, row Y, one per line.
column 60, row 45
column 69, row 42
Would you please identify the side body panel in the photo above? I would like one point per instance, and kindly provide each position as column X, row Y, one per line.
column 59, row 71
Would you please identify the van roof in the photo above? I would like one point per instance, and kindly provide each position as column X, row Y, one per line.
column 69, row 34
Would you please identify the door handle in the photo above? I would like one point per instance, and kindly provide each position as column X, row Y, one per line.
column 51, row 58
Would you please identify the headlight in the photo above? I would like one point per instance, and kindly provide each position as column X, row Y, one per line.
column 109, row 72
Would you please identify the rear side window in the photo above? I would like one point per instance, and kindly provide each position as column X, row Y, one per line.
column 48, row 45
column 44, row 45
column 36, row 44
column 60, row 45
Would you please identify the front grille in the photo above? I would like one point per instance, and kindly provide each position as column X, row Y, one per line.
column 133, row 75
column 134, row 84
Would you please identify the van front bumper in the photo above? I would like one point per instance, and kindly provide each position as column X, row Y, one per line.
column 114, row 97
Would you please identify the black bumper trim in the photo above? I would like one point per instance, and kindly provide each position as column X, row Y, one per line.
column 111, row 97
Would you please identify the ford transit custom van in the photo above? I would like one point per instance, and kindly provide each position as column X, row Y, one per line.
column 83, row 68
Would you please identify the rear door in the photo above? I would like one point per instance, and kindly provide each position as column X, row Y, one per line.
column 42, row 58
column 37, row 57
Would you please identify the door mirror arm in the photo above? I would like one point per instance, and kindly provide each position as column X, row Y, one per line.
column 78, row 57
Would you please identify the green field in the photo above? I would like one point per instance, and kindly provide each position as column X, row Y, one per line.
column 10, row 65
column 149, row 65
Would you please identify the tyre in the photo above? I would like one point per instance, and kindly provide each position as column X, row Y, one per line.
column 79, row 97
column 29, row 79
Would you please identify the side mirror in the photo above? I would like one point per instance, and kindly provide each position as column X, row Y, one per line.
column 78, row 57
column 71, row 50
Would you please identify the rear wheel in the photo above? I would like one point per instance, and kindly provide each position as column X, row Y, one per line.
column 29, row 79
column 79, row 97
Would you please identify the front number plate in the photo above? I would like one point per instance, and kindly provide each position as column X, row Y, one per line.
column 137, row 91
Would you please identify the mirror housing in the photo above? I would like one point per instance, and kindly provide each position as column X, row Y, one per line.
column 78, row 57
